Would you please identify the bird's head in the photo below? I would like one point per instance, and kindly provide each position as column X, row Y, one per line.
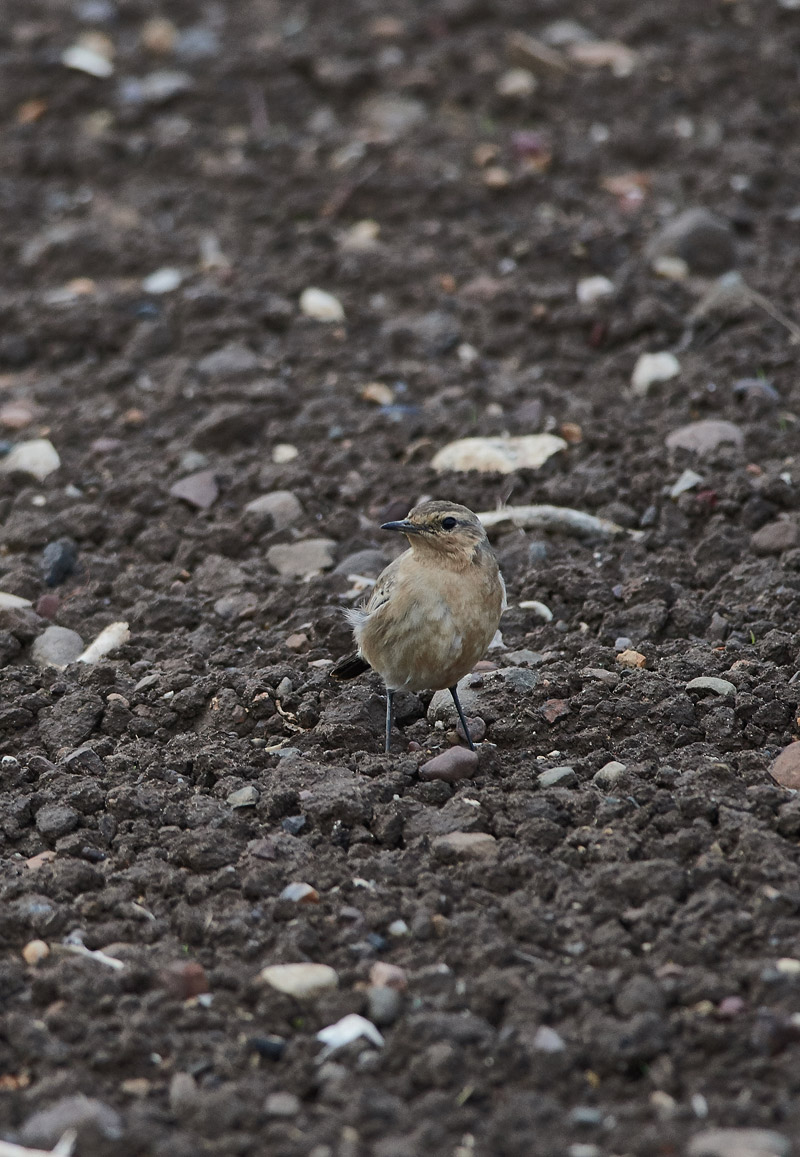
column 444, row 528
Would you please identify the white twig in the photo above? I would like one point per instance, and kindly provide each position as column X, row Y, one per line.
column 96, row 955
column 562, row 518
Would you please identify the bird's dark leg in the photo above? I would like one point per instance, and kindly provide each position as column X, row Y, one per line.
column 389, row 698
column 454, row 693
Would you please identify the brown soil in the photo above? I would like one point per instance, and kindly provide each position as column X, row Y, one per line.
column 623, row 916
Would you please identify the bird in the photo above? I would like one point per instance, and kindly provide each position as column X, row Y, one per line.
column 433, row 611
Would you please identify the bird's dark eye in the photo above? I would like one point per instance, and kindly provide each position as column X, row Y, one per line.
column 448, row 523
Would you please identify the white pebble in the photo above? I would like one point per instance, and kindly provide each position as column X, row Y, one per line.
column 592, row 289
column 651, row 368
column 163, row 280
column 672, row 268
column 84, row 59
column 303, row 981
column 110, row 638
column 498, row 455
column 9, row 602
column 687, row 481
column 347, row 1030
column 37, row 457
column 283, row 453
column 320, row 305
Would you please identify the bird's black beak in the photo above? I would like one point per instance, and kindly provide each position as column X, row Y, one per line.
column 404, row 527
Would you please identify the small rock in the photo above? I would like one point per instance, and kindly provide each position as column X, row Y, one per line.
column 184, row 1096
column 302, row 981
column 158, row 35
column 94, row 1122
column 442, row 708
column 232, row 361
column 155, row 88
column 245, row 797
column 502, row 455
column 85, row 58
column 300, row 894
column 688, row 480
column 523, row 658
column 708, row 683
column 788, row 966
column 547, row 1040
column 398, row 928
column 293, row 824
column 652, row 368
column 622, row 643
column 390, row 116
column 452, row 765
column 56, row 647
column 383, row 1005
column 786, row 768
column 302, row 559
column 112, row 637
column 604, row 54
column 630, row 658
column 35, row 951
column 281, row 506
column 516, row 83
column 383, row 975
column 162, row 281
column 282, row 1105
column 738, row 1143
column 553, row 709
column 284, row 452
column 37, row 457
column 184, row 979
column 9, row 602
column 592, row 289
column 704, row 436
column 670, row 268
column 702, row 239
column 379, row 393
column 55, row 820
column 601, row 675
column 465, row 846
column 271, row 1047
column 298, row 641
column 365, row 563
column 200, row 490
column 557, row 777
column 321, row 306
column 58, row 561
column 609, row 774
column 776, row 537
column 16, row 415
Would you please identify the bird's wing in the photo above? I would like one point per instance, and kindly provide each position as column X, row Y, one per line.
column 385, row 586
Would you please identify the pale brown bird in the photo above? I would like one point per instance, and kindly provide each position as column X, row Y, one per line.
column 433, row 611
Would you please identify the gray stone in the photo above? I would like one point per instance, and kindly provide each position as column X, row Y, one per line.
column 56, row 647
column 364, row 562
column 281, row 506
column 738, row 1143
column 232, row 361
column 452, row 765
column 705, row 436
column 301, row 559
column 519, row 679
column 442, row 708
column 282, row 1105
column 547, row 1040
column 383, row 1005
column 217, row 573
column 91, row 1118
column 200, row 490
column 245, row 797
column 708, row 683
column 776, row 537
column 184, row 1097
column 465, row 846
column 524, row 658
column 241, row 605
column 609, row 774
column 58, row 561
column 55, row 820
column 557, row 777
column 702, row 239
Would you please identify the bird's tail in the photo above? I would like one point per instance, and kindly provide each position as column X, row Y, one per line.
column 350, row 667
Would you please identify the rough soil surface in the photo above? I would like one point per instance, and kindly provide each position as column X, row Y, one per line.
column 612, row 968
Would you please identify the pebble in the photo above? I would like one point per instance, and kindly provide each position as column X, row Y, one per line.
column 398, row 928
column 37, row 457
column 271, row 1047
column 200, row 490
column 9, row 602
column 300, row 894
column 384, row 975
column 554, row 709
column 302, row 981
column 310, row 557
column 516, row 83
column 592, row 289
column 162, row 281
column 56, row 820
column 604, row 54
column 293, row 824
column 321, row 306
column 523, row 658
column 284, row 452
column 557, row 777
column 788, row 966
column 609, row 678
column 442, row 708
column 520, row 680
column 630, row 658
column 184, row 979
column 350, row 1028
column 363, row 564
column 282, row 1105
column 688, row 480
column 451, row 766
column 501, row 455
column 35, row 951
column 709, row 683
column 282, row 506
column 391, row 116
column 155, row 88
column 84, row 1114
column 670, row 268
column 58, row 561
column 585, row 1115
column 247, row 796
column 776, row 537
column 56, row 647
column 704, row 436
column 738, row 1143
column 785, row 769
column 700, row 238
column 183, row 1094
column 465, row 846
column 16, row 415
column 232, row 361
column 547, row 1040
column 609, row 774
column 650, row 368
column 110, row 638
column 383, row 1005
column 83, row 58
